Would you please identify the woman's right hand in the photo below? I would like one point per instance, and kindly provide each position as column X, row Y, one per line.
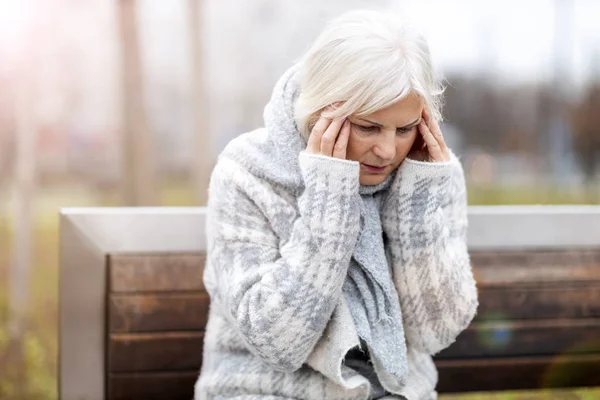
column 329, row 137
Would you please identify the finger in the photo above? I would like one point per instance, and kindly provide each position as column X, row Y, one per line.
column 435, row 151
column 434, row 127
column 314, row 140
column 436, row 131
column 425, row 114
column 329, row 137
column 431, row 122
column 341, row 144
column 442, row 142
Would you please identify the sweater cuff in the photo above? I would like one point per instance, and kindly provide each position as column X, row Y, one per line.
column 436, row 175
column 336, row 174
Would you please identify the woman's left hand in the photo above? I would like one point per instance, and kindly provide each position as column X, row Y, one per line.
column 431, row 146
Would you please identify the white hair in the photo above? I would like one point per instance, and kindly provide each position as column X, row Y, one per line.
column 366, row 61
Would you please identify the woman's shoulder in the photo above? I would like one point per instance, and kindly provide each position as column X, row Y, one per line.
column 236, row 159
column 242, row 168
column 245, row 142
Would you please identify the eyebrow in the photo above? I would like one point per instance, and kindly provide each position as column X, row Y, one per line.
column 402, row 127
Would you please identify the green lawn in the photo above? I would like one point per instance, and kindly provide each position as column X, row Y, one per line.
column 557, row 394
column 531, row 195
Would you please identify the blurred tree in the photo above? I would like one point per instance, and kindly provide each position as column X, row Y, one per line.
column 586, row 132
column 24, row 114
column 7, row 154
column 139, row 183
column 25, row 175
column 7, row 130
column 202, row 160
column 495, row 118
column 479, row 110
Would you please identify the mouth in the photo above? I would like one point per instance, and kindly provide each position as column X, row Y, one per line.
column 373, row 168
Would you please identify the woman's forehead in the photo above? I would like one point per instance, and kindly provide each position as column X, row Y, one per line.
column 401, row 113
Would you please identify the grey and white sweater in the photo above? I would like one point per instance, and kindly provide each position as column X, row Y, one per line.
column 281, row 232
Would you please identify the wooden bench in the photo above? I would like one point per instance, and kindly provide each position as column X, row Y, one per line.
column 133, row 306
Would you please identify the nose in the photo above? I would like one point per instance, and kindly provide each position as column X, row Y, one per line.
column 385, row 148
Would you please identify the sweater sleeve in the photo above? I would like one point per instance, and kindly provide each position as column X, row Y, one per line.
column 279, row 295
column 425, row 219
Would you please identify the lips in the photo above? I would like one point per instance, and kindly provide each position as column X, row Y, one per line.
column 373, row 168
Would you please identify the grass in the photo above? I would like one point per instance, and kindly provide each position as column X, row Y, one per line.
column 545, row 394
column 520, row 195
column 32, row 375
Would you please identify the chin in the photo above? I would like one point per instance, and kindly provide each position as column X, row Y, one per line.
column 372, row 179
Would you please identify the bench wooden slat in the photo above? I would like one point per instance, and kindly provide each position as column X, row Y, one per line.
column 157, row 312
column 152, row 386
column 182, row 350
column 544, row 302
column 535, row 267
column 525, row 338
column 156, row 272
column 536, row 258
column 535, row 307
column 165, row 351
column 536, row 275
column 518, row 373
column 525, row 258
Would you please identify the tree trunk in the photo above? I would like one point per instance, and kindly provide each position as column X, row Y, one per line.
column 139, row 180
column 202, row 160
column 25, row 174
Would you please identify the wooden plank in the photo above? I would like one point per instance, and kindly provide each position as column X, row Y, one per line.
column 544, row 302
column 158, row 312
column 520, row 338
column 518, row 373
column 152, row 386
column 527, row 267
column 546, row 258
column 179, row 351
column 165, row 351
column 454, row 376
column 156, row 272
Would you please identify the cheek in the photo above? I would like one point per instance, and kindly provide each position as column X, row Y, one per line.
column 357, row 147
column 405, row 145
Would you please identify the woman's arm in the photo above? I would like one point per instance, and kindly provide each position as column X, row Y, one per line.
column 280, row 296
column 425, row 219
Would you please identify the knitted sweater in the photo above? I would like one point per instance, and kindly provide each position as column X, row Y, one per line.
column 278, row 253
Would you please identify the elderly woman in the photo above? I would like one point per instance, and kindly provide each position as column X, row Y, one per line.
column 337, row 262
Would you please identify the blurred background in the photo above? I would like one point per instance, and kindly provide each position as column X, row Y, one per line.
column 128, row 103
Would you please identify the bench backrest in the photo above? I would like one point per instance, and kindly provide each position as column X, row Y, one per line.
column 133, row 306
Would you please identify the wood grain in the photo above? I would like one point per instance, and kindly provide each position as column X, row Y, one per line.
column 158, row 312
column 156, row 272
column 525, row 338
column 518, row 373
column 152, row 386
column 165, row 351
column 537, row 324
column 536, row 268
column 543, row 302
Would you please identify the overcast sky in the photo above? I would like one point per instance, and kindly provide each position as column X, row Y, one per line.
column 250, row 42
column 517, row 36
column 513, row 38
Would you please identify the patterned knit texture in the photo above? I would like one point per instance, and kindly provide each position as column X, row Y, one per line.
column 279, row 249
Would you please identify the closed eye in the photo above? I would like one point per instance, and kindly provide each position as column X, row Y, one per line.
column 405, row 129
column 369, row 129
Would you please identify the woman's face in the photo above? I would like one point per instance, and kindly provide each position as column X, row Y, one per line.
column 381, row 141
